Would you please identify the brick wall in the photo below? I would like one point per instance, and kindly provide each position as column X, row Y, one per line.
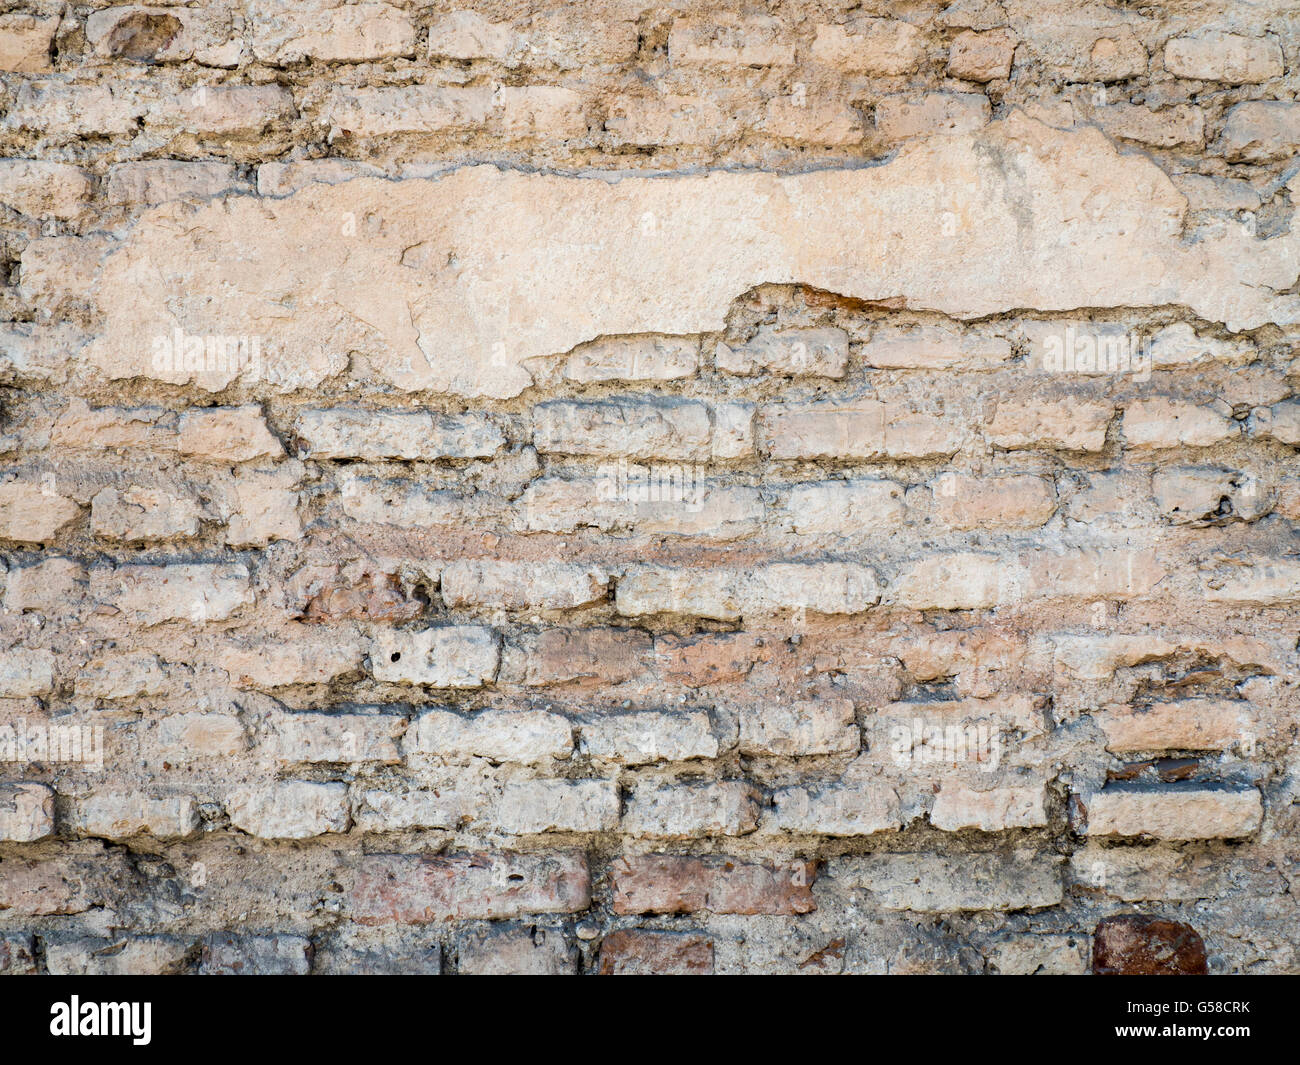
column 595, row 487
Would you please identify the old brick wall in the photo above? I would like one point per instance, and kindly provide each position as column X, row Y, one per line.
column 601, row 487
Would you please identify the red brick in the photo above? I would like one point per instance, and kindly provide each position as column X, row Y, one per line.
column 418, row 889
column 637, row 953
column 663, row 883
column 1133, row 945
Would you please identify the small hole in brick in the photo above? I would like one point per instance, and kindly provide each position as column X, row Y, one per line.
column 395, row 656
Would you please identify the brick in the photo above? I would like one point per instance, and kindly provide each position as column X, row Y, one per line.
column 134, row 956
column 17, row 954
column 295, row 655
column 633, row 428
column 185, row 737
column 1179, row 725
column 469, row 35
column 876, row 47
column 57, row 886
column 226, row 434
column 387, row 811
column 647, row 736
column 378, row 112
column 123, row 815
column 515, row 950
column 542, row 112
column 1174, row 812
column 26, row 673
column 137, row 512
column 113, row 428
column 1164, row 127
column 1162, row 422
column 262, row 507
column 1204, row 495
column 1139, row 945
column 230, row 111
column 960, row 581
column 419, row 889
column 728, row 40
column 634, row 358
column 1211, row 55
column 26, row 812
column 34, row 514
column 663, row 883
column 449, row 656
column 933, row 348
column 25, row 42
column 822, row 122
column 152, row 35
column 1065, row 425
column 1260, row 130
column 667, row 120
column 122, row 676
column 1268, row 583
column 54, row 586
column 161, row 180
column 1280, row 422
column 657, row 498
column 1040, row 955
column 289, row 809
column 75, row 110
column 790, row 352
column 633, row 952
column 352, row 433
column 354, row 33
column 282, row 179
column 845, row 508
column 563, row 656
column 862, row 430
column 959, row 806
column 525, row 736
column 691, row 811
column 231, row 954
column 1152, row 872
column 333, row 596
column 1114, row 574
column 150, row 595
column 531, row 806
column 931, row 114
column 1019, row 501
column 928, row 721
column 729, row 594
column 522, row 585
column 44, row 190
column 310, row 738
column 799, row 729
column 982, row 57
column 934, row 883
column 850, row 807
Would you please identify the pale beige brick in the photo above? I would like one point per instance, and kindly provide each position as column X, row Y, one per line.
column 1174, row 812
column 26, row 812
column 525, row 736
column 289, row 809
column 450, row 656
column 960, row 806
column 690, row 811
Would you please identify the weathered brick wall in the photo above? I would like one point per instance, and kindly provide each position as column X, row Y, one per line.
column 606, row 487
